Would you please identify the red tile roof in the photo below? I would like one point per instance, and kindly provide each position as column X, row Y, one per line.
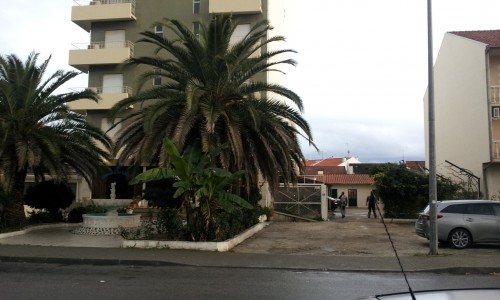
column 415, row 165
column 353, row 179
column 489, row 37
column 313, row 170
column 327, row 162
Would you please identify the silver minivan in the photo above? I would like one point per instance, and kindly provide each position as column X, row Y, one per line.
column 462, row 223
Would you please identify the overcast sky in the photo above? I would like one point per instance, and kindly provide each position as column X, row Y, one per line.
column 362, row 69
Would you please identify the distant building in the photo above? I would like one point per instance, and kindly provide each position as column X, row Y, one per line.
column 338, row 175
column 467, row 109
column 348, row 175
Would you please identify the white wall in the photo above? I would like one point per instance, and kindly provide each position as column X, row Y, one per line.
column 461, row 106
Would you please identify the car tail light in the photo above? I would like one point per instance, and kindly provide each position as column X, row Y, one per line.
column 427, row 217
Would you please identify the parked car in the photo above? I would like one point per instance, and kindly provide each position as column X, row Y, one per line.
column 462, row 223
column 334, row 203
column 457, row 294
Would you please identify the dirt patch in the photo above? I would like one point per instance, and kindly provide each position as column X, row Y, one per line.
column 354, row 235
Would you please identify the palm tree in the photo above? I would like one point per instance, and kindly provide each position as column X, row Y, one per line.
column 38, row 132
column 211, row 92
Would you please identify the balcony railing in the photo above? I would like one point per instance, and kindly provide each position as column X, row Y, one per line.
column 105, row 45
column 100, row 53
column 235, row 6
column 83, row 13
column 495, row 94
column 104, row 2
column 110, row 95
column 112, row 89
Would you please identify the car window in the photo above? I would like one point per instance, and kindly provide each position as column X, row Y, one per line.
column 454, row 209
column 479, row 209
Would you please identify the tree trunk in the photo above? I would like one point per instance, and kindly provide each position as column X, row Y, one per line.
column 14, row 215
column 14, row 209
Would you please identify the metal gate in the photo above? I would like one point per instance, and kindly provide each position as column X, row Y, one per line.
column 304, row 200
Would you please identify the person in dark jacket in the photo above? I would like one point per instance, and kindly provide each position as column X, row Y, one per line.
column 343, row 204
column 370, row 202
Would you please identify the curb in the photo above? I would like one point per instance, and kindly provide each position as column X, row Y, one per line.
column 204, row 246
column 37, row 227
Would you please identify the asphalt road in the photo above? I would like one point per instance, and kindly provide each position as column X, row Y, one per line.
column 51, row 281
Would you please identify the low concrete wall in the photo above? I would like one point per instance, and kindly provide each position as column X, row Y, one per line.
column 112, row 202
column 207, row 246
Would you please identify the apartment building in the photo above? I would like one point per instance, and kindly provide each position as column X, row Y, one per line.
column 467, row 109
column 114, row 26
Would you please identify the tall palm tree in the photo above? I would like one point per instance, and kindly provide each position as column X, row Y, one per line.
column 38, row 132
column 211, row 91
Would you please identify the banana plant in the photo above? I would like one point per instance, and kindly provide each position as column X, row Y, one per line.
column 196, row 181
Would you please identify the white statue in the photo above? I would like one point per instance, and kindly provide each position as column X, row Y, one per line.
column 113, row 191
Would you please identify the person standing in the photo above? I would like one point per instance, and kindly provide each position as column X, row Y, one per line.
column 343, row 204
column 370, row 202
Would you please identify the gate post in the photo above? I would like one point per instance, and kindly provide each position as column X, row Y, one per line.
column 324, row 203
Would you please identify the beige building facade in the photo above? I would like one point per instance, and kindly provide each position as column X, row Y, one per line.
column 114, row 28
column 467, row 108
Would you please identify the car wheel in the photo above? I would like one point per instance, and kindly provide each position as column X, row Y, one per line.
column 459, row 238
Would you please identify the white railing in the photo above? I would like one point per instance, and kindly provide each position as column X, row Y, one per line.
column 111, row 89
column 105, row 45
column 101, row 2
column 494, row 94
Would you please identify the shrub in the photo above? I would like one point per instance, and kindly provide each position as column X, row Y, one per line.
column 169, row 224
column 224, row 225
column 74, row 213
column 38, row 217
column 3, row 202
column 50, row 196
column 160, row 193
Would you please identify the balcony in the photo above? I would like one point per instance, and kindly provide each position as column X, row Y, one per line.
column 103, row 53
column 109, row 97
column 495, row 94
column 235, row 6
column 83, row 13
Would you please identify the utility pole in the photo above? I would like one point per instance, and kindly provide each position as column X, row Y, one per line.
column 432, row 139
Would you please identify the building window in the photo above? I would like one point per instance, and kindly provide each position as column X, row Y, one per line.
column 196, row 28
column 196, row 6
column 159, row 30
column 240, row 32
column 495, row 112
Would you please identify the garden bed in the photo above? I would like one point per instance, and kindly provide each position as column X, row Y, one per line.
column 186, row 245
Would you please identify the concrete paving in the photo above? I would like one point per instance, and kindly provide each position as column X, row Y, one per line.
column 351, row 244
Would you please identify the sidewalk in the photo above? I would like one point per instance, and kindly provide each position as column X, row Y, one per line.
column 351, row 244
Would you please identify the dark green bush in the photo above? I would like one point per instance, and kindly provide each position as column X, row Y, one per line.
column 3, row 202
column 75, row 215
column 39, row 217
column 160, row 193
column 169, row 224
column 404, row 192
column 225, row 225
column 76, row 212
column 50, row 196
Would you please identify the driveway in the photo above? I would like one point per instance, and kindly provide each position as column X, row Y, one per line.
column 355, row 235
